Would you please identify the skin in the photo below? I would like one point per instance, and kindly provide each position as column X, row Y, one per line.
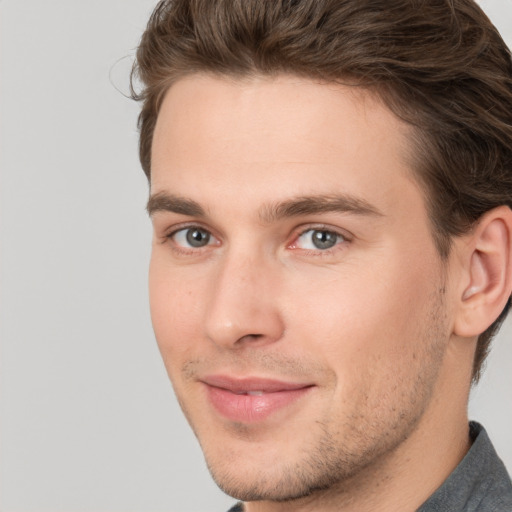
column 368, row 322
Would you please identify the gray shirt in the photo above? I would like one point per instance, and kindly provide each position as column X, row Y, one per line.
column 480, row 483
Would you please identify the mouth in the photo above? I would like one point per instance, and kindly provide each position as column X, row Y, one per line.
column 252, row 399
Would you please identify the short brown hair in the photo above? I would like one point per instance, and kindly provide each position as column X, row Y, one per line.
column 439, row 65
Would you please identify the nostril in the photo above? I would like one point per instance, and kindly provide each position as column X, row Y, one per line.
column 250, row 337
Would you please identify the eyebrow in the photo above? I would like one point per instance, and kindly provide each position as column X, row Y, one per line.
column 311, row 205
column 294, row 207
column 164, row 202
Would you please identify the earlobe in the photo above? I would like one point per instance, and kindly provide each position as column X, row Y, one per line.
column 488, row 276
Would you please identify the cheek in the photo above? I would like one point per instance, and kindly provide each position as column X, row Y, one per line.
column 175, row 311
column 353, row 318
column 378, row 338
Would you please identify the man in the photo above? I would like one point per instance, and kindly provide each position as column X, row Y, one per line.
column 331, row 183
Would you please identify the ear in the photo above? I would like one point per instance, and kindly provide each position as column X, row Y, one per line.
column 487, row 274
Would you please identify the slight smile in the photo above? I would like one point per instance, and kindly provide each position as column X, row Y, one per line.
column 251, row 399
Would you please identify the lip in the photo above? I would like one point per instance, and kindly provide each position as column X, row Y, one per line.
column 229, row 396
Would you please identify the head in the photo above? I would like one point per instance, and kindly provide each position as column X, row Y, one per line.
column 423, row 88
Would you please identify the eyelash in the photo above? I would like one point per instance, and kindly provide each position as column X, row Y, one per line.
column 339, row 245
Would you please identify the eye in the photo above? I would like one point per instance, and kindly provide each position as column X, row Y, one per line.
column 193, row 237
column 318, row 239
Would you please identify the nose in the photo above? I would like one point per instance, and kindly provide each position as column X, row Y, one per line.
column 244, row 306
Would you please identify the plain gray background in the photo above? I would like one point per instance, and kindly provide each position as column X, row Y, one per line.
column 88, row 418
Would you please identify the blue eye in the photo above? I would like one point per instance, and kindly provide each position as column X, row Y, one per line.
column 193, row 237
column 318, row 239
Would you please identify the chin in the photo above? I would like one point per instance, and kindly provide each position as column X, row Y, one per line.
column 266, row 487
column 254, row 474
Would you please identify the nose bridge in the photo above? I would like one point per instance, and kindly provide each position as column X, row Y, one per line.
column 243, row 303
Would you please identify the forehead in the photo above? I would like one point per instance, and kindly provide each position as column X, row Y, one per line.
column 283, row 136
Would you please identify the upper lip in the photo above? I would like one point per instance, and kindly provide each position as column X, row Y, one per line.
column 245, row 384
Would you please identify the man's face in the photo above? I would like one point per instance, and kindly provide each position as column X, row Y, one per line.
column 296, row 293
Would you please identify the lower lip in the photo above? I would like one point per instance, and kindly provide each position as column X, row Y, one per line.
column 252, row 408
